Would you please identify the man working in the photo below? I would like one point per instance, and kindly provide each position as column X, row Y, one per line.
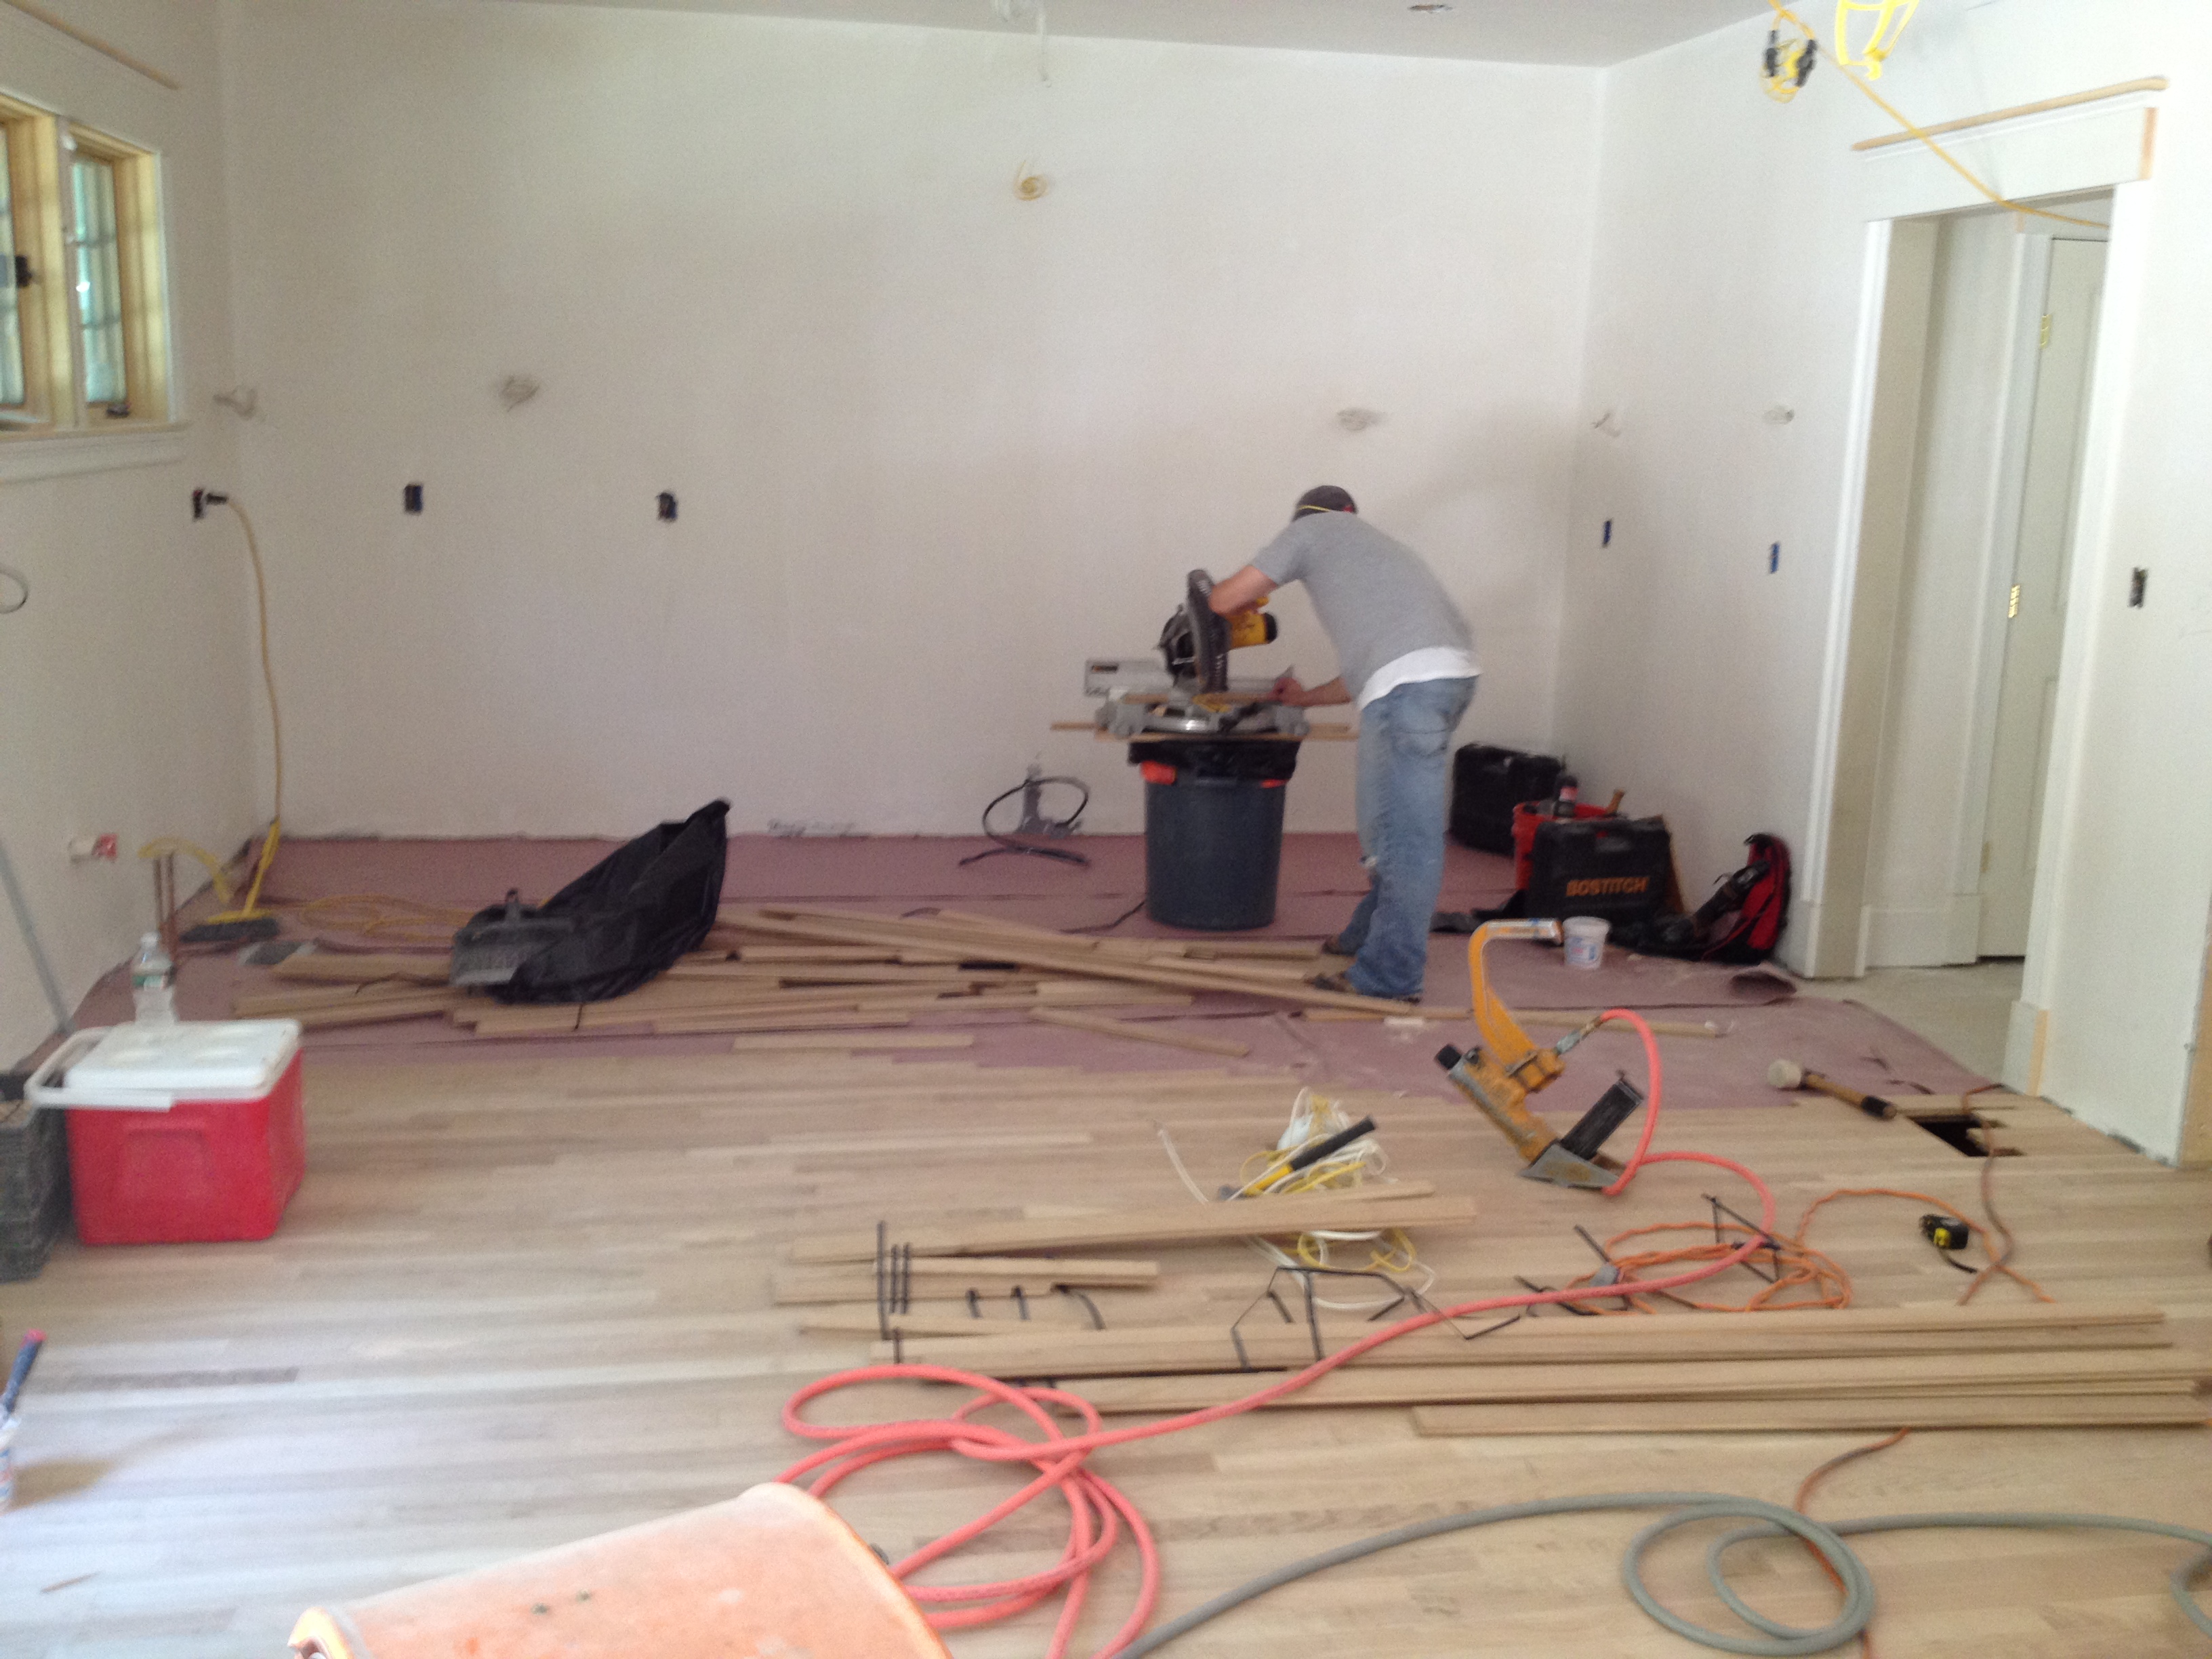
column 1406, row 659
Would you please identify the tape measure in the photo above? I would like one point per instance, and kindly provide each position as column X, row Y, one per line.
column 1946, row 1232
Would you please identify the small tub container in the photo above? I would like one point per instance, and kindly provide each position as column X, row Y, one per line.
column 181, row 1134
column 1585, row 938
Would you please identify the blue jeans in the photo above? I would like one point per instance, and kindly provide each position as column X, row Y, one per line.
column 1405, row 763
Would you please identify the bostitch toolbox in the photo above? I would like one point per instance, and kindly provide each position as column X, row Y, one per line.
column 1617, row 868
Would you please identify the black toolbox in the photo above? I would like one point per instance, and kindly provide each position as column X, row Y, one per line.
column 34, row 1188
column 1488, row 783
column 1618, row 868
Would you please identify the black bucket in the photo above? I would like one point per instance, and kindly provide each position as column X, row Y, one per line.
column 1213, row 832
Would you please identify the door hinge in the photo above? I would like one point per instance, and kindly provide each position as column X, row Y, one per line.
column 1985, row 858
column 2012, row 605
column 24, row 277
column 2043, row 343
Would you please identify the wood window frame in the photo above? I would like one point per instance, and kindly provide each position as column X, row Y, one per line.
column 42, row 147
column 142, row 269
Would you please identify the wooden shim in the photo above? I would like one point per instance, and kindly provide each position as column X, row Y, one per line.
column 942, row 1321
column 1570, row 1341
column 773, row 1043
column 1120, row 1028
column 1406, row 1204
column 2042, row 106
column 715, row 1025
column 1742, row 1379
column 339, row 967
column 811, row 954
column 829, row 925
column 953, row 1276
column 367, row 1012
column 1570, row 1018
column 1818, row 1415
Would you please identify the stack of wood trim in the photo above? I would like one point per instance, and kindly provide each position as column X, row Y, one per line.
column 1404, row 1204
column 1950, row 1367
column 1271, row 1345
column 793, row 969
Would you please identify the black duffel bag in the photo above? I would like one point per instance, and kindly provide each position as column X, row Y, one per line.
column 623, row 921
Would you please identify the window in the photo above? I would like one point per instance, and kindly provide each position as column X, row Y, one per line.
column 83, row 309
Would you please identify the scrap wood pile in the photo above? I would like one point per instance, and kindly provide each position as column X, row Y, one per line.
column 775, row 969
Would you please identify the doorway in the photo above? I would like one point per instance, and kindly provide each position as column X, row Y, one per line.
column 1987, row 329
column 2070, row 274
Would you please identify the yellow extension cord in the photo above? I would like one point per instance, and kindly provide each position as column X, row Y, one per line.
column 1783, row 14
column 168, row 845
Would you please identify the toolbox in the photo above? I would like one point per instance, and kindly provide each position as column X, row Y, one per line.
column 1617, row 868
column 34, row 1189
column 180, row 1133
column 1488, row 783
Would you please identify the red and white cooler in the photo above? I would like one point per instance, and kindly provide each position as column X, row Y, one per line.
column 180, row 1134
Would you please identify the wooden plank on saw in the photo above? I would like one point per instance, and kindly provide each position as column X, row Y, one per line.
column 1405, row 1204
column 1814, row 1416
column 1137, row 1033
column 954, row 1276
column 1161, row 1350
column 1754, row 1379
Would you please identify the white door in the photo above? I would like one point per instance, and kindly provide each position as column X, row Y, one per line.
column 2036, row 606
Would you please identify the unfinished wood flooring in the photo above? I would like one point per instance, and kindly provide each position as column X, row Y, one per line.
column 520, row 1303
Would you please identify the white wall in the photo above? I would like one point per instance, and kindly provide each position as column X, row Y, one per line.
column 1728, row 267
column 1924, row 903
column 124, row 684
column 933, row 445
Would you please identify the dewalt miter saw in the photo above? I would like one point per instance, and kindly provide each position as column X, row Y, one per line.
column 1501, row 1078
column 1189, row 693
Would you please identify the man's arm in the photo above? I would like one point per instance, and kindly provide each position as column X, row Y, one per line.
column 1289, row 691
column 1233, row 594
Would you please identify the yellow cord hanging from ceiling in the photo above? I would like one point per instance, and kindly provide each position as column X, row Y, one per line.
column 1800, row 66
column 1890, row 17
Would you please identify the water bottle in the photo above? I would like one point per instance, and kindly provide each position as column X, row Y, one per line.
column 1563, row 806
column 153, row 983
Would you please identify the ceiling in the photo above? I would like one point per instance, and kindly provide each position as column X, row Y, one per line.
column 1588, row 32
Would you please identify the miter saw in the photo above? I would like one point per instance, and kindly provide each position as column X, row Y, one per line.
column 1191, row 695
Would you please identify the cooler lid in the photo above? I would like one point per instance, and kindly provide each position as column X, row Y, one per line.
column 201, row 1060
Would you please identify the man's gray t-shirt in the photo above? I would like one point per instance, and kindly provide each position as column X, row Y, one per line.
column 1376, row 598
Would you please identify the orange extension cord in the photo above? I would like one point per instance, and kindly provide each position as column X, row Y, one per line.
column 1098, row 1510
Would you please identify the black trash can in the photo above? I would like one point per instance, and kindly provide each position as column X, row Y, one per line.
column 1213, row 829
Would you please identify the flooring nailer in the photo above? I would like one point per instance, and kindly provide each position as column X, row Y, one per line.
column 1500, row 1078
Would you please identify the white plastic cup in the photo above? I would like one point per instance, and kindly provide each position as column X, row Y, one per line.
column 1585, row 938
column 6, row 1462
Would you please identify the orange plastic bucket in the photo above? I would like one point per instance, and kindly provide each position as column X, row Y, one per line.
column 772, row 1571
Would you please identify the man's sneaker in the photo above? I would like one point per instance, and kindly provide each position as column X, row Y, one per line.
column 1334, row 947
column 1344, row 986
